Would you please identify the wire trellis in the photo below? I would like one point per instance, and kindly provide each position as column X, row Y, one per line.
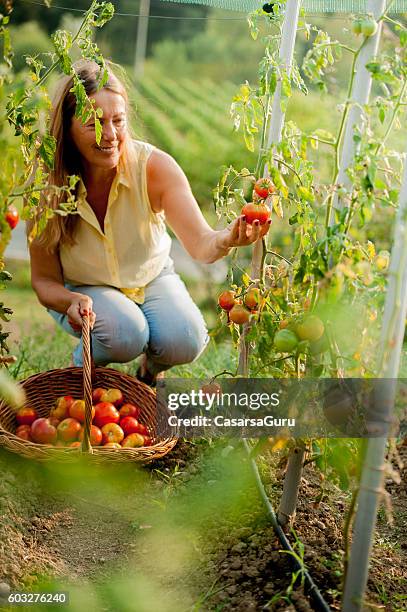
column 246, row 6
column 310, row 6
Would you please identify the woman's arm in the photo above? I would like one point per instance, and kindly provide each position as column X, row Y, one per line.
column 47, row 282
column 169, row 191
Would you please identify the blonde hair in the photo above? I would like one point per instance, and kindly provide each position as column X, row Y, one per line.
column 60, row 229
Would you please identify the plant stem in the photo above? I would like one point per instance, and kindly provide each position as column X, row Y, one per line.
column 346, row 533
column 278, row 255
column 27, row 191
column 322, row 141
column 283, row 163
column 393, row 118
column 340, row 134
column 393, row 21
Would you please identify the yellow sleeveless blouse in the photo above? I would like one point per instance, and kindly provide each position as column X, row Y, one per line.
column 134, row 246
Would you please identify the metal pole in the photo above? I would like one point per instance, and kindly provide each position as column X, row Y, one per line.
column 141, row 42
column 286, row 52
column 371, row 485
column 360, row 96
column 292, row 12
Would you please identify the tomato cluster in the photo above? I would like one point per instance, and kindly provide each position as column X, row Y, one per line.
column 239, row 312
column 310, row 329
column 366, row 26
column 115, row 422
column 258, row 209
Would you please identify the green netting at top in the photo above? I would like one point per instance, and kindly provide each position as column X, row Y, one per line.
column 310, row 6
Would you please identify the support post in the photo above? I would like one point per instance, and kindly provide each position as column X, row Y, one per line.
column 360, row 96
column 141, row 41
column 286, row 52
column 372, row 479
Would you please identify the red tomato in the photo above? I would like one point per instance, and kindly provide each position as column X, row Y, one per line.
column 97, row 395
column 43, row 432
column 114, row 396
column 239, row 314
column 95, row 435
column 77, row 411
column 133, row 441
column 68, row 429
column 12, row 216
column 61, row 408
column 252, row 298
column 211, row 389
column 129, row 410
column 147, row 441
column 112, row 432
column 23, row 428
column 254, row 211
column 142, row 429
column 105, row 413
column 24, row 432
column 227, row 300
column 264, row 187
column 26, row 415
column 129, row 425
column 75, row 444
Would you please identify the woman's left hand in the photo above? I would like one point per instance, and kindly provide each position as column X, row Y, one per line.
column 241, row 233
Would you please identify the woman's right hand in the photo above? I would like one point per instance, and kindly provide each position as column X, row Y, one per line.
column 81, row 305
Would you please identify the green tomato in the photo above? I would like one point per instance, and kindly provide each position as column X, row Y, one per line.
column 311, row 328
column 368, row 27
column 382, row 260
column 320, row 346
column 357, row 26
column 285, row 341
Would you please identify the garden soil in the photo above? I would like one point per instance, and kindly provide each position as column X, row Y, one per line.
column 75, row 537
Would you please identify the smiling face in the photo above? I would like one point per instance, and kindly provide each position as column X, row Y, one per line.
column 106, row 155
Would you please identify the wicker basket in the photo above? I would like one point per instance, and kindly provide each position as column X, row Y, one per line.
column 43, row 389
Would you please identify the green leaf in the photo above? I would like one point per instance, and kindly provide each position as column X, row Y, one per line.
column 268, row 323
column 98, row 130
column 306, row 194
column 249, row 140
column 278, row 209
column 105, row 15
column 272, row 82
column 278, row 180
column 47, row 150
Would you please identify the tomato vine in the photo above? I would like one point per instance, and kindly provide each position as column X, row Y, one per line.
column 29, row 145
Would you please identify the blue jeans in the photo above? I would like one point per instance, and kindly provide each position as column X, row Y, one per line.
column 168, row 327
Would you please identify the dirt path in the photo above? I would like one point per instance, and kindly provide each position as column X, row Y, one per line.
column 186, row 533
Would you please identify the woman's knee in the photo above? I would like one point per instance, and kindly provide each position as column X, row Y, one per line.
column 119, row 341
column 173, row 349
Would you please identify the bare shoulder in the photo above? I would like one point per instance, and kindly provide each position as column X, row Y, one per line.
column 163, row 174
column 162, row 167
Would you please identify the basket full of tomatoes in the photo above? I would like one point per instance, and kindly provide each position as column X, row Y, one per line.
column 96, row 411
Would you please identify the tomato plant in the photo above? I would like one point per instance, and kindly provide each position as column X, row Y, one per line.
column 323, row 283
column 330, row 267
column 29, row 154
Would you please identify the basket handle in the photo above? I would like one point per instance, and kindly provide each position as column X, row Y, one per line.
column 89, row 374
